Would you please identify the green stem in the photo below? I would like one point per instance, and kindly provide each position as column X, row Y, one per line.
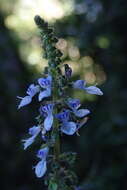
column 56, row 127
column 56, row 132
column 57, row 143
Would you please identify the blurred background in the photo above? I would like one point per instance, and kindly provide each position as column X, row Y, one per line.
column 92, row 36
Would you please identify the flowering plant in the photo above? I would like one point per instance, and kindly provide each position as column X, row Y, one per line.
column 58, row 114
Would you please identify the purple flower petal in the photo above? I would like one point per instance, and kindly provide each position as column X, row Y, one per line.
column 44, row 94
column 63, row 116
column 32, row 90
column 34, row 130
column 25, row 101
column 93, row 90
column 68, row 71
column 79, row 84
column 74, row 104
column 40, row 168
column 81, row 112
column 48, row 122
column 48, row 108
column 69, row 128
column 28, row 142
column 42, row 153
column 45, row 82
column 49, row 78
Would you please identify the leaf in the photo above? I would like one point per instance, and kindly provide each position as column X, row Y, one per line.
column 52, row 185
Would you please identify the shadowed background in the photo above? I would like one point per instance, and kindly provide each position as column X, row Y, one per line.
column 93, row 41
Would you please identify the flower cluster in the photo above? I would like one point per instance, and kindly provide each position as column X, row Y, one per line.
column 66, row 124
column 41, row 166
column 44, row 90
column 57, row 114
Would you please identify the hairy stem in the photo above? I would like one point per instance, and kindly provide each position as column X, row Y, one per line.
column 56, row 132
column 56, row 126
column 57, row 142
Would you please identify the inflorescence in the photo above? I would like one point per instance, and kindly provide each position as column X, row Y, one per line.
column 58, row 113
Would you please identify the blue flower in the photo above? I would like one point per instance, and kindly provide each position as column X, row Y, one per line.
column 67, row 127
column 31, row 91
column 33, row 131
column 46, row 84
column 41, row 166
column 74, row 104
column 81, row 84
column 63, row 116
column 48, row 121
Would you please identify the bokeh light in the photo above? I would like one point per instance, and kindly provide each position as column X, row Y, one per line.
column 20, row 21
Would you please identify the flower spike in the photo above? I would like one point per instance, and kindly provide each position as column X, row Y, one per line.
column 58, row 114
